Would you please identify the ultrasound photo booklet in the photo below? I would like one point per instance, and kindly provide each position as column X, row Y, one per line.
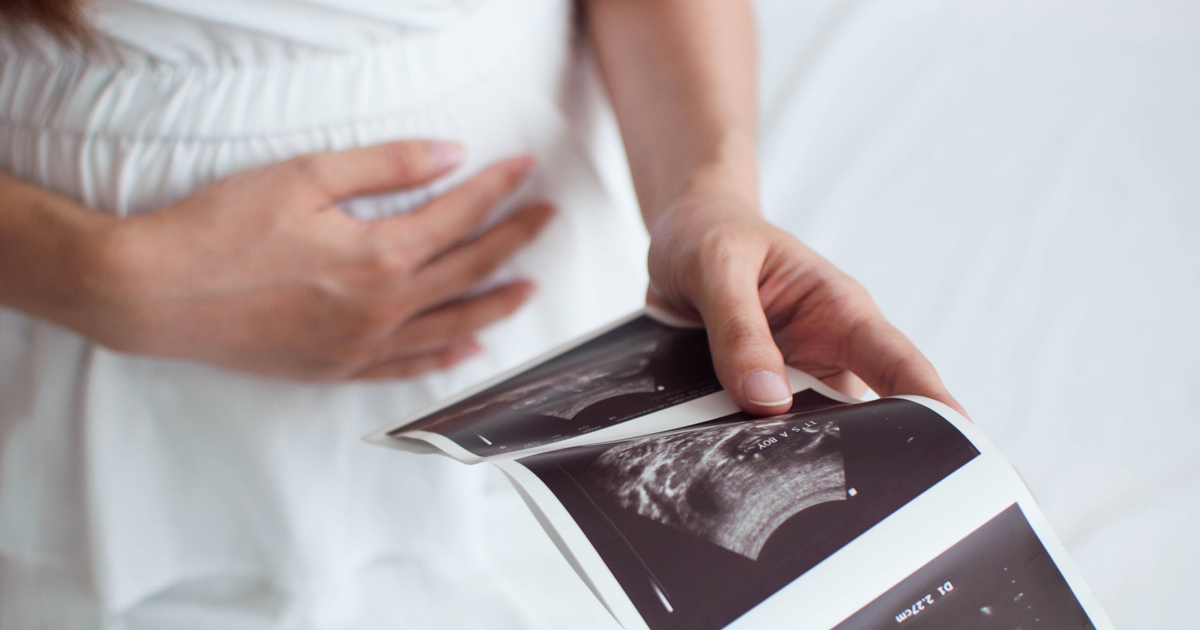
column 681, row 512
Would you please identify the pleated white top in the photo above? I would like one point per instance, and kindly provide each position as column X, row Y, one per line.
column 146, row 493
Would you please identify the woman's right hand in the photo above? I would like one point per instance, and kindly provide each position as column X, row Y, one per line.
column 262, row 272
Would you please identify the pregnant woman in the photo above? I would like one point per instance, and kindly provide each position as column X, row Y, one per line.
column 236, row 235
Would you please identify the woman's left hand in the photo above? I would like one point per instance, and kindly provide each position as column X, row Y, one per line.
column 682, row 78
column 767, row 299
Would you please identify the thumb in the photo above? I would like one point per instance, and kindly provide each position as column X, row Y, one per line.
column 747, row 361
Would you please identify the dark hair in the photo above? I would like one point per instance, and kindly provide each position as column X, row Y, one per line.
column 62, row 18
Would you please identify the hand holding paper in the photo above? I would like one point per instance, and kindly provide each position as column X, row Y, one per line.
column 768, row 300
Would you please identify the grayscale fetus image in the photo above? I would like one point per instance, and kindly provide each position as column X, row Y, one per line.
column 733, row 484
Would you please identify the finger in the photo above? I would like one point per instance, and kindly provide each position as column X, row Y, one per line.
column 747, row 361
column 883, row 357
column 847, row 382
column 447, row 219
column 471, row 263
column 438, row 328
column 408, row 367
column 378, row 168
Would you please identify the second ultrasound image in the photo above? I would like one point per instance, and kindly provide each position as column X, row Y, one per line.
column 701, row 525
column 999, row 577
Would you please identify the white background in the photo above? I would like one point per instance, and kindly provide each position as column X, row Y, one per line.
column 1018, row 185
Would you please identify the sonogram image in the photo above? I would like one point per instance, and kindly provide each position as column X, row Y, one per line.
column 732, row 485
column 579, row 382
column 700, row 525
column 637, row 368
column 999, row 577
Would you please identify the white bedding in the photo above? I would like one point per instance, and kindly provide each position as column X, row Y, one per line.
column 1018, row 185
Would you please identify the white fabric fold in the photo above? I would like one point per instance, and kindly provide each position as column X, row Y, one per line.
column 137, row 487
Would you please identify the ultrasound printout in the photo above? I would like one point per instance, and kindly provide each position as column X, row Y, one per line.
column 635, row 369
column 998, row 577
column 700, row 525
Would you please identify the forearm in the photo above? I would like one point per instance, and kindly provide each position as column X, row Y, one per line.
column 681, row 75
column 49, row 247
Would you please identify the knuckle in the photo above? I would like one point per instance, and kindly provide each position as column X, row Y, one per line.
column 454, row 320
column 311, row 169
column 407, row 159
column 716, row 255
column 482, row 193
column 892, row 372
column 387, row 262
column 481, row 315
column 848, row 290
column 847, row 297
column 504, row 176
column 375, row 318
column 719, row 247
column 307, row 166
column 740, row 331
column 477, row 267
column 498, row 179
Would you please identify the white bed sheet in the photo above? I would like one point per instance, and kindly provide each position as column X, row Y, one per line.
column 1018, row 185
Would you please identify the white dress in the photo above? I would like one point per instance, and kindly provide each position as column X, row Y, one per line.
column 146, row 493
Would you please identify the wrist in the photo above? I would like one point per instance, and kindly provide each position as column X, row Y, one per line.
column 88, row 288
column 109, row 266
column 714, row 196
column 725, row 185
column 117, row 286
column 56, row 258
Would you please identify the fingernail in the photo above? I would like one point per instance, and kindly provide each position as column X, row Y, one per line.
column 446, row 154
column 766, row 388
